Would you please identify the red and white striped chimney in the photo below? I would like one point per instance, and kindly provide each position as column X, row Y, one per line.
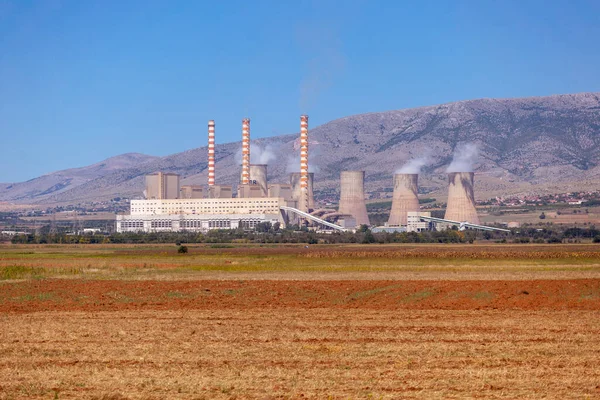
column 211, row 153
column 304, row 162
column 245, row 151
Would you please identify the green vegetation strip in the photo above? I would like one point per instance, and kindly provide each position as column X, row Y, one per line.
column 22, row 272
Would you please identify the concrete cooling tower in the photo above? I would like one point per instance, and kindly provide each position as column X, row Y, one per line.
column 352, row 196
column 258, row 176
column 404, row 199
column 295, row 181
column 461, row 198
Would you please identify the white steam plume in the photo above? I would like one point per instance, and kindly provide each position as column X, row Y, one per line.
column 414, row 165
column 293, row 161
column 262, row 155
column 464, row 159
column 258, row 154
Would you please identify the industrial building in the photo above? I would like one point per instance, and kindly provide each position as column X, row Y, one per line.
column 168, row 206
column 191, row 192
column 162, row 186
column 414, row 223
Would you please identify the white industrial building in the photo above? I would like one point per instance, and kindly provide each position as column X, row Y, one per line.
column 200, row 214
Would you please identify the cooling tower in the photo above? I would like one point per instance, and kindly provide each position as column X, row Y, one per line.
column 258, row 176
column 461, row 198
column 352, row 196
column 295, row 180
column 405, row 198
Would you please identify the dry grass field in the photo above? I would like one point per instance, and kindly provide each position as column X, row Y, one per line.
column 143, row 322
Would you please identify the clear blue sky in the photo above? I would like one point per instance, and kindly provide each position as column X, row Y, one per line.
column 81, row 81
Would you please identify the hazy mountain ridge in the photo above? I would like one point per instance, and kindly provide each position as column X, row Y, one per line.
column 539, row 144
column 38, row 189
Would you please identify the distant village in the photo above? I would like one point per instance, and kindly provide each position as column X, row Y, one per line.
column 571, row 198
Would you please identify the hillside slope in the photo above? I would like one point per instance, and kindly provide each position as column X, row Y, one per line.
column 528, row 145
column 55, row 183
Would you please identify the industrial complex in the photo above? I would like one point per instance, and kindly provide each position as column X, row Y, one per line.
column 169, row 206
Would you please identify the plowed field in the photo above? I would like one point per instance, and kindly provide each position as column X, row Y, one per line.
column 121, row 323
column 76, row 295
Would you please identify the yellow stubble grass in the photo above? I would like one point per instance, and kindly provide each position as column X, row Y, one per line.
column 289, row 353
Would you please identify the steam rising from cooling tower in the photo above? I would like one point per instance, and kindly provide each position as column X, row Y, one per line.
column 465, row 157
column 461, row 198
column 293, row 160
column 211, row 153
column 352, row 196
column 414, row 165
column 404, row 199
column 245, row 151
column 258, row 154
column 261, row 155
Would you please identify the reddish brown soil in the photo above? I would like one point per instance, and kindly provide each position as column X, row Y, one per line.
column 67, row 295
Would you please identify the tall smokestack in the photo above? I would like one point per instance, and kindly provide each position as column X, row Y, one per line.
column 245, row 151
column 352, row 196
column 297, row 191
column 461, row 198
column 404, row 199
column 303, row 200
column 211, row 153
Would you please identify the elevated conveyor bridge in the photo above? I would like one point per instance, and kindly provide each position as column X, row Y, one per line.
column 312, row 218
column 463, row 225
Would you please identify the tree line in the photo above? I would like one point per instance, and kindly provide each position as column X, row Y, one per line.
column 267, row 233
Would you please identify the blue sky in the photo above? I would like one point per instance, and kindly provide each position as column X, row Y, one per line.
column 81, row 81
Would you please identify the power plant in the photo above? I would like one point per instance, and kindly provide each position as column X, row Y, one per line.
column 169, row 206
column 461, row 198
column 405, row 198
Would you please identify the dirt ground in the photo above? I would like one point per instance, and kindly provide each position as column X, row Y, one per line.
column 456, row 332
column 109, row 295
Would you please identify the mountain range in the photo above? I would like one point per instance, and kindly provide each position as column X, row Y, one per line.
column 528, row 145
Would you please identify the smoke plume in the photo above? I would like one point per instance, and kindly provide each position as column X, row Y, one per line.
column 293, row 161
column 258, row 154
column 262, row 155
column 414, row 166
column 464, row 159
column 324, row 61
